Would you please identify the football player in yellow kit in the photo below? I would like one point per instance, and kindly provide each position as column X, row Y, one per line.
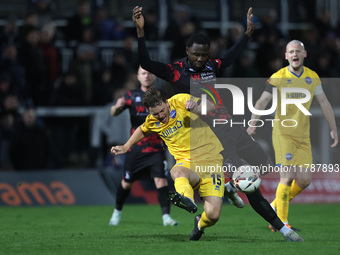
column 291, row 139
column 195, row 148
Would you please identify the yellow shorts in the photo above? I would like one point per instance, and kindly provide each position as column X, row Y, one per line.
column 292, row 151
column 211, row 174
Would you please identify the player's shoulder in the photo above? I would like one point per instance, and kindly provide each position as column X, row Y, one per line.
column 179, row 98
column 280, row 73
column 309, row 72
column 180, row 64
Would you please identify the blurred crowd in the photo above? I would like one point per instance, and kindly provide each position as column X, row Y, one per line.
column 32, row 75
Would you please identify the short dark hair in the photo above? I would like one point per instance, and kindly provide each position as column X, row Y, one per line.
column 153, row 97
column 198, row 39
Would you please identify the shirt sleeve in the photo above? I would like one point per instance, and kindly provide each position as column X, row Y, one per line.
column 230, row 55
column 318, row 90
column 159, row 69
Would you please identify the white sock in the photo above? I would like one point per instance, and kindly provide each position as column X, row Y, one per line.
column 284, row 230
column 117, row 211
column 165, row 216
column 229, row 188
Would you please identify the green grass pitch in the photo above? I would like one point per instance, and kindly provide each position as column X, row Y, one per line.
column 85, row 230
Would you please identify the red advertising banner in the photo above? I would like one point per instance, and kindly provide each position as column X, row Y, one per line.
column 325, row 188
column 53, row 188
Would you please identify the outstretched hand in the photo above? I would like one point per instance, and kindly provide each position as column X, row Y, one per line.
column 118, row 150
column 335, row 138
column 138, row 18
column 250, row 23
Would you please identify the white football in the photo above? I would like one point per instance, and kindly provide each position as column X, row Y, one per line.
column 246, row 179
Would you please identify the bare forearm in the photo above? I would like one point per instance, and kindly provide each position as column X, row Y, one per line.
column 135, row 138
column 115, row 110
column 329, row 115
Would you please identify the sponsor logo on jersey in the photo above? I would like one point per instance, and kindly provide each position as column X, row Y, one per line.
column 289, row 81
column 138, row 99
column 127, row 175
column 173, row 114
column 308, row 80
column 289, row 156
column 140, row 108
column 158, row 124
column 172, row 130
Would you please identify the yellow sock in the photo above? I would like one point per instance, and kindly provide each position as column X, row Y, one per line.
column 282, row 201
column 205, row 222
column 183, row 187
column 294, row 190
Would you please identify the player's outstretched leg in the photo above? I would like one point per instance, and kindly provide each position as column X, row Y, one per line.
column 231, row 193
column 292, row 236
column 182, row 202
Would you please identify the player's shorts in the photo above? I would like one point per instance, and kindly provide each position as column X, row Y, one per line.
column 210, row 173
column 138, row 165
column 292, row 151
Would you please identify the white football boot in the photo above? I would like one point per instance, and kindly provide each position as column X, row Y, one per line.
column 115, row 219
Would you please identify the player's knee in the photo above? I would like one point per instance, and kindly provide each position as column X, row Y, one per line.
column 303, row 182
column 177, row 172
column 126, row 185
column 160, row 182
column 213, row 215
column 286, row 181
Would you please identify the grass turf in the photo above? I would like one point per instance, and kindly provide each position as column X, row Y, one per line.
column 85, row 230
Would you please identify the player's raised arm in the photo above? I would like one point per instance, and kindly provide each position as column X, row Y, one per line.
column 250, row 22
column 135, row 138
column 138, row 19
column 229, row 57
column 118, row 107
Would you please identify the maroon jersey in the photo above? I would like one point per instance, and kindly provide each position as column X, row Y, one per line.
column 138, row 113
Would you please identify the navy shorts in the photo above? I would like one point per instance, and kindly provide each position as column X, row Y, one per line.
column 140, row 165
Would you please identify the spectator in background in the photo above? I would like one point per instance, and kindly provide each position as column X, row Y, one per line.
column 86, row 63
column 151, row 25
column 30, row 23
column 51, row 59
column 120, row 70
column 130, row 54
column 30, row 147
column 312, row 45
column 323, row 23
column 11, row 105
column 79, row 21
column 32, row 58
column 45, row 11
column 6, row 138
column 5, row 86
column 245, row 66
column 106, row 28
column 178, row 52
column 180, row 15
column 69, row 92
column 65, row 131
column 10, row 33
column 15, row 71
column 104, row 89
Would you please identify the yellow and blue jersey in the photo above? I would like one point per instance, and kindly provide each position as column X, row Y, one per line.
column 185, row 134
column 284, row 78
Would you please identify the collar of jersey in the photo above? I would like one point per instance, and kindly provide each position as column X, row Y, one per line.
column 303, row 70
